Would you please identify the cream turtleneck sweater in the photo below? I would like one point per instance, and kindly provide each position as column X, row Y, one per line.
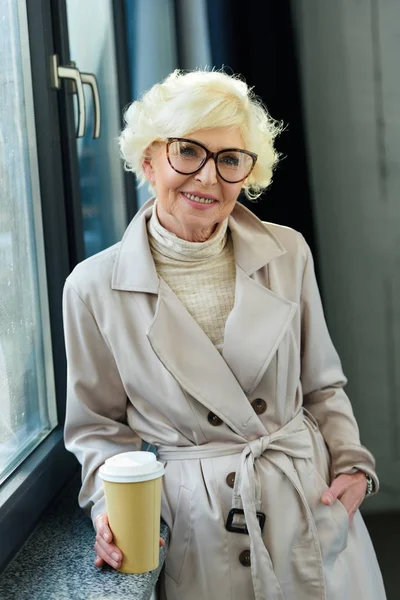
column 201, row 274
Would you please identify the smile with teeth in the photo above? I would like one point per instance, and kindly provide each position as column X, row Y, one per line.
column 198, row 198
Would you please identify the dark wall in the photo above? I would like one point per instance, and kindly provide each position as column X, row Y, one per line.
column 255, row 38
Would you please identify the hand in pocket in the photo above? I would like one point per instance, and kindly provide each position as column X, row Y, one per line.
column 349, row 489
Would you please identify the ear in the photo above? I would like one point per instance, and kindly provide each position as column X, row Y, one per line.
column 148, row 168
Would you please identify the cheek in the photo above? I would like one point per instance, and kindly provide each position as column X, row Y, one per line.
column 167, row 188
column 171, row 180
column 232, row 193
column 166, row 181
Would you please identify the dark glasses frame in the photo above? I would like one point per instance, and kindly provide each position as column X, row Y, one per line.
column 209, row 154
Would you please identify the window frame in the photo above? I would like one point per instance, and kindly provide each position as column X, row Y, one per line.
column 124, row 93
column 26, row 494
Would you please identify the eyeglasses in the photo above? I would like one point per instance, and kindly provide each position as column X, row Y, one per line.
column 187, row 157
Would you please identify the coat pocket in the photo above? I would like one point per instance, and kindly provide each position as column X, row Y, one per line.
column 180, row 536
column 332, row 522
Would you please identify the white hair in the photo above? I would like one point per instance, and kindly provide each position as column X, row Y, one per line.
column 187, row 102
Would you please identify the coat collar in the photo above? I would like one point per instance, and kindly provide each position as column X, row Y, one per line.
column 134, row 270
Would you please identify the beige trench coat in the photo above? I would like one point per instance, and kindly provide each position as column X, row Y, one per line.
column 140, row 368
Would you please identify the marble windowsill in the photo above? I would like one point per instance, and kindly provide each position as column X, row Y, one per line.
column 56, row 562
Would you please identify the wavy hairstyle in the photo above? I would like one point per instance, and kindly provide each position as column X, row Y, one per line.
column 187, row 101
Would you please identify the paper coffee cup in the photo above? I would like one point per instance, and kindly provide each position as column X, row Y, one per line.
column 132, row 487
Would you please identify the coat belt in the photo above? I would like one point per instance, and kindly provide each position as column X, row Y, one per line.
column 292, row 440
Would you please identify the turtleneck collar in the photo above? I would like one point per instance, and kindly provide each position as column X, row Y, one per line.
column 170, row 246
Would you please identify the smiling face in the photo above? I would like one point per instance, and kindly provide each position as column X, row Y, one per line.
column 184, row 206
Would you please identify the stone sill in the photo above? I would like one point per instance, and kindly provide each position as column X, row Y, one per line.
column 56, row 562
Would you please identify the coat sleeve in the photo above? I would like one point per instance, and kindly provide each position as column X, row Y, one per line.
column 95, row 425
column 323, row 380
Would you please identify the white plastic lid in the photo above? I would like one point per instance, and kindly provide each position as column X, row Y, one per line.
column 131, row 467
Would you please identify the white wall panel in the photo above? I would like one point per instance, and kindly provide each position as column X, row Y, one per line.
column 348, row 55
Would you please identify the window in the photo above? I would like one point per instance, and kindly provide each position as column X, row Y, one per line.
column 27, row 394
column 52, row 215
column 101, row 175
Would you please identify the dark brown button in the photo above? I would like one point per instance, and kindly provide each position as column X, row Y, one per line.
column 230, row 479
column 244, row 558
column 259, row 405
column 213, row 419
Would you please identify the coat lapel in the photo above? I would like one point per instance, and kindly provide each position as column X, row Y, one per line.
column 189, row 355
column 260, row 318
column 254, row 329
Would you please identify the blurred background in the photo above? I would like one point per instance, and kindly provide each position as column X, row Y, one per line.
column 328, row 70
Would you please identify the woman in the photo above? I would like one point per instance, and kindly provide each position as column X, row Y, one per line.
column 202, row 333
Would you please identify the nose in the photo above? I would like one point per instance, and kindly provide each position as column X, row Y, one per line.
column 207, row 174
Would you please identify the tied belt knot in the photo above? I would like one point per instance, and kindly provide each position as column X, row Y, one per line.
column 259, row 446
column 292, row 440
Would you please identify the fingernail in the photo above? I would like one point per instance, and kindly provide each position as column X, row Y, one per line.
column 115, row 556
column 106, row 537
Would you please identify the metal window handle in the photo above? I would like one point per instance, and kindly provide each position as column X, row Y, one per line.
column 91, row 80
column 70, row 72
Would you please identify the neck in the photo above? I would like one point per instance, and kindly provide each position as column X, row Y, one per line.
column 184, row 232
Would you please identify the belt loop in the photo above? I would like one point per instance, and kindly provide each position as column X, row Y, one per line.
column 311, row 418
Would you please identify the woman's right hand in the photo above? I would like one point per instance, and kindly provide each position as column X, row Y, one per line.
column 106, row 551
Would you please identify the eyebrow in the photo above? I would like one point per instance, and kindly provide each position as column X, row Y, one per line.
column 219, row 148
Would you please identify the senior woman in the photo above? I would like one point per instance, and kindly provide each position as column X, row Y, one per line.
column 202, row 333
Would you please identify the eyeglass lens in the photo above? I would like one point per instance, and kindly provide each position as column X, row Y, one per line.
column 188, row 157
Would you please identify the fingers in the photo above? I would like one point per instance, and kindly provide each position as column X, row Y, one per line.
column 352, row 499
column 102, row 528
column 106, row 551
column 338, row 487
column 109, row 553
column 349, row 490
column 99, row 562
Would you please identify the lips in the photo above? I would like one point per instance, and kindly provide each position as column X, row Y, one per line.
column 201, row 198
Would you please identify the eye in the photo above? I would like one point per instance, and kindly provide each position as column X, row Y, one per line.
column 229, row 160
column 188, row 151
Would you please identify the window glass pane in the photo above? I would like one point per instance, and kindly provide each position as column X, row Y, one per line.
column 149, row 63
column 27, row 398
column 92, row 48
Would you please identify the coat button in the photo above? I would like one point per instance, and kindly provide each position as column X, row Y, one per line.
column 259, row 405
column 244, row 558
column 230, row 479
column 213, row 419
